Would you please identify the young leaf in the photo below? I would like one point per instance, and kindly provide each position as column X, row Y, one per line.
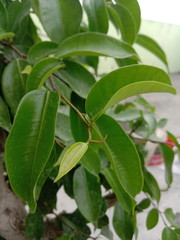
column 168, row 156
column 145, row 203
column 78, row 78
column 13, row 83
column 34, row 225
column 91, row 161
column 41, row 71
column 5, row 121
column 71, row 157
column 123, row 83
column 151, row 186
column 124, row 199
column 169, row 234
column 152, row 218
column 152, row 46
column 4, row 34
column 30, row 143
column 3, row 16
column 94, row 44
column 150, row 120
column 97, row 15
column 56, row 18
column 123, row 154
column 41, row 50
column 123, row 223
column 87, row 194
column 124, row 21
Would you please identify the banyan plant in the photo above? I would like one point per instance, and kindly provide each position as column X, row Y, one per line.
column 63, row 124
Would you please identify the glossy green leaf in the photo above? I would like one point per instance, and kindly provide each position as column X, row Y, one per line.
column 124, row 21
column 3, row 16
column 123, row 83
column 56, row 18
column 152, row 218
column 169, row 234
column 71, row 157
column 34, row 226
column 168, row 156
column 133, row 7
column 87, row 194
column 151, row 186
column 78, row 78
column 170, row 216
column 91, row 61
column 30, row 142
column 124, row 199
column 123, row 154
column 64, row 237
column 14, row 82
column 40, row 51
column 97, row 15
column 152, row 46
column 41, row 71
column 17, row 11
column 91, row 161
column 78, row 128
column 4, row 34
column 123, row 223
column 5, row 121
column 94, row 44
column 126, row 62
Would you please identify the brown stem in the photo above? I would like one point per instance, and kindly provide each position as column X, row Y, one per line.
column 10, row 45
column 149, row 140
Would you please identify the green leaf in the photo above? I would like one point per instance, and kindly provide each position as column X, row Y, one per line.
column 94, row 44
column 34, row 226
column 30, row 143
column 87, row 194
column 63, row 130
column 152, row 46
column 91, row 161
column 162, row 123
column 123, row 223
column 123, row 83
column 127, row 115
column 126, row 62
column 13, row 83
column 97, row 15
column 168, row 156
column 71, row 157
column 17, row 11
column 41, row 71
column 124, row 21
column 4, row 34
column 41, row 50
column 124, row 199
column 78, row 128
column 64, row 237
column 122, row 153
column 169, row 234
column 59, row 19
column 145, row 203
column 3, row 16
column 151, row 186
column 149, row 118
column 90, row 61
column 152, row 218
column 170, row 216
column 5, row 121
column 78, row 78
column 143, row 102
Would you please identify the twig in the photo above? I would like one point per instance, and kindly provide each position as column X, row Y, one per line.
column 10, row 45
column 68, row 102
column 149, row 140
